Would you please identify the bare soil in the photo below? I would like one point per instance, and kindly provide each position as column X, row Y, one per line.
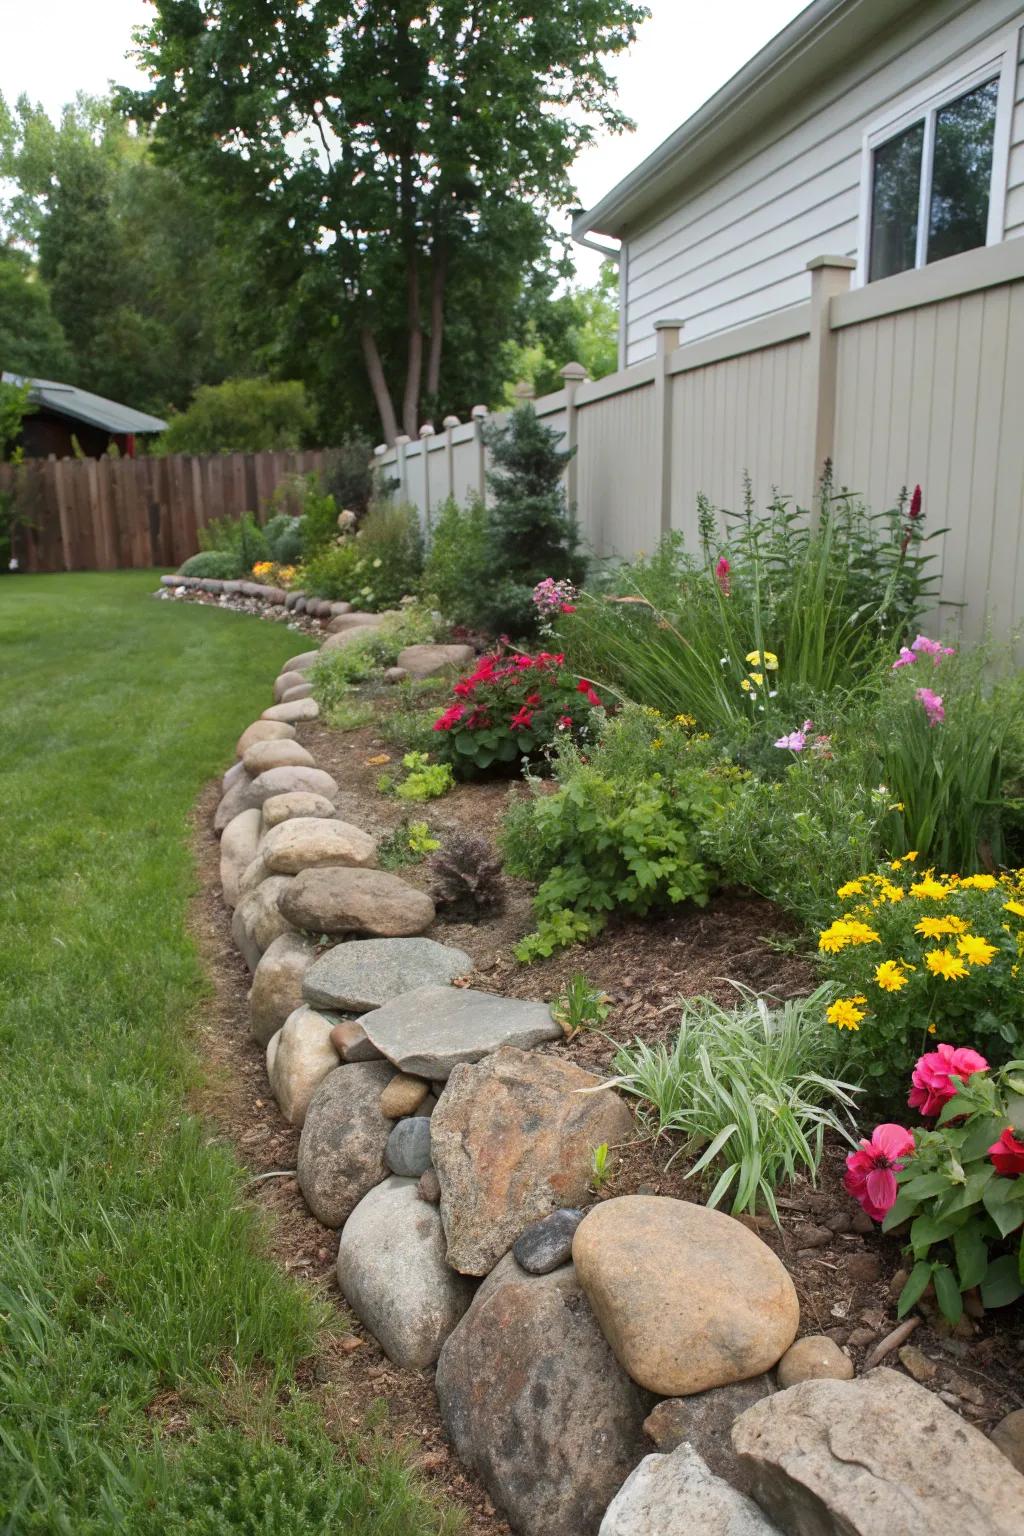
column 845, row 1271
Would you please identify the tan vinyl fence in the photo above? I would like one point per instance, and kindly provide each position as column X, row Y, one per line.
column 917, row 379
column 113, row 513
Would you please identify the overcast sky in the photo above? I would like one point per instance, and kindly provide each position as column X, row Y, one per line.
column 52, row 48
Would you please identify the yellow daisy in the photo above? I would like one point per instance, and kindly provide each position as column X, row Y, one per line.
column 979, row 883
column 851, row 888
column 889, row 976
column 933, row 890
column 845, row 1013
column 1016, row 907
column 939, row 927
column 942, row 962
column 976, row 950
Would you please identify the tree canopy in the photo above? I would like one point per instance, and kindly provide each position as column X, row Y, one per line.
column 404, row 159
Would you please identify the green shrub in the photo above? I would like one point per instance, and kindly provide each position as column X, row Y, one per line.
column 214, row 565
column 333, row 572
column 374, row 568
column 283, row 534
column 423, row 780
column 240, row 416
column 349, row 476
column 456, row 569
column 749, row 1087
column 620, row 833
column 335, row 673
column 242, row 536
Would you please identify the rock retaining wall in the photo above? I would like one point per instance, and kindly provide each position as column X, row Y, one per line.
column 451, row 1144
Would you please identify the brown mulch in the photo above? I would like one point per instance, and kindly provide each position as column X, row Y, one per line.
column 845, row 1276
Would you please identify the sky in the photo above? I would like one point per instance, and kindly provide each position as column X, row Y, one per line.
column 50, row 49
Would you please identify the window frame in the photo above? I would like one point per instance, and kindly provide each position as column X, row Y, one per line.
column 999, row 61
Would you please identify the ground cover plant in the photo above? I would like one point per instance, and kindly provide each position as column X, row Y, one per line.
column 373, row 566
column 753, row 1089
column 130, row 1261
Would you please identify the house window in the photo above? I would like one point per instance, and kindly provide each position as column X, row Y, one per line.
column 931, row 183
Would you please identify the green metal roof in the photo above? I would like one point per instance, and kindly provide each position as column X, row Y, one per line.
column 80, row 405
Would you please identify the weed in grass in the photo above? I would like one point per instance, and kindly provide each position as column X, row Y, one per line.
column 131, row 1259
column 750, row 1086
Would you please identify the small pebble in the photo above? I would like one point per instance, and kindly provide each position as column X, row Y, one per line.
column 403, row 1096
column 547, row 1244
column 839, row 1221
column 429, row 1187
column 408, row 1148
column 861, row 1337
column 861, row 1222
column 813, row 1358
column 865, row 1268
column 813, row 1237
column 917, row 1364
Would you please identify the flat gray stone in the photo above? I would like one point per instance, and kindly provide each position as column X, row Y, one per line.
column 546, row 1244
column 392, row 1273
column 429, row 1031
column 341, row 1149
column 705, row 1419
column 355, row 977
column 678, row 1493
column 408, row 1152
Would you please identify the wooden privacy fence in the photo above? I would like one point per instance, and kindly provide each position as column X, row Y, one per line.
column 915, row 379
column 112, row 514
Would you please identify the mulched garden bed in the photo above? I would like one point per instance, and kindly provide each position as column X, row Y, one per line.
column 843, row 1268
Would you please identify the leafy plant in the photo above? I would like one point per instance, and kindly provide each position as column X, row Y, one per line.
column 512, row 707
column 240, row 416
column 409, row 843
column 580, row 1006
column 601, row 1169
column 283, row 534
column 620, row 833
column 376, row 566
column 349, row 475
column 748, row 1087
column 465, row 877
column 957, row 1184
column 214, row 564
column 455, row 572
column 423, row 779
column 915, row 954
column 241, row 536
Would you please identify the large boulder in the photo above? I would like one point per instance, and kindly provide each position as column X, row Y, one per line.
column 430, row 1031
column 536, row 1405
column 237, row 851
column 360, row 976
column 341, row 623
column 284, row 681
column 349, row 900
column 276, row 989
column 263, row 730
column 313, row 842
column 676, row 1494
column 301, row 802
column 304, row 1057
column 264, row 755
column 433, row 660
column 257, row 919
column 512, row 1140
column 343, row 1141
column 284, row 781
column 294, row 712
column 704, row 1420
column 392, row 1273
column 876, row 1455
column 302, row 662
column 688, row 1297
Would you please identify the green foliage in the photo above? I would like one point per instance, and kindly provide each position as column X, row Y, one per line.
column 621, row 833
column 333, row 572
column 465, row 877
column 423, row 780
column 240, row 416
column 602, row 1168
column 215, row 564
column 349, row 476
column 823, row 599
column 240, row 536
column 966, row 1217
column 914, row 955
column 580, row 1006
column 748, row 1087
column 32, row 340
column 336, row 672
column 317, row 513
column 137, row 1282
column 455, row 571
column 579, row 325
column 530, row 531
column 409, row 843
column 376, row 567
column 14, row 407
column 283, row 534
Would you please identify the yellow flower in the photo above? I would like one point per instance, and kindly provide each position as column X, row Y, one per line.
column 889, row 976
column 657, row 744
column 757, row 678
column 1016, row 907
column 933, row 890
column 939, row 927
column 976, row 950
column 891, row 893
column 931, row 1029
column 769, row 661
column 942, row 962
column 746, row 685
column 979, row 883
column 910, row 857
column 843, row 931
column 851, row 888
column 844, row 1013
column 684, row 720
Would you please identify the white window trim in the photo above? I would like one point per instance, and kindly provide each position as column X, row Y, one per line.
column 999, row 58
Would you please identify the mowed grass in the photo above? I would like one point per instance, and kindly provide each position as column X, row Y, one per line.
column 133, row 1289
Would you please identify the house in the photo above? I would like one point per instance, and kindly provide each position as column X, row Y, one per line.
column 888, row 132
column 69, row 422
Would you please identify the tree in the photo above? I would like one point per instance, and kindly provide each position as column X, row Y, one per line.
column 240, row 416
column 399, row 150
column 580, row 326
column 32, row 340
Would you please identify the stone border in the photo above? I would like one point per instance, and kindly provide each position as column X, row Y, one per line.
column 455, row 1158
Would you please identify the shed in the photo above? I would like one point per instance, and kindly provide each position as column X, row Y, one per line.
column 63, row 412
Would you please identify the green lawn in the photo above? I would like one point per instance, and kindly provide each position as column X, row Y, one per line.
column 130, row 1264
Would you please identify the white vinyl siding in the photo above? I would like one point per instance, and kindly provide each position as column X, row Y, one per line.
column 735, row 248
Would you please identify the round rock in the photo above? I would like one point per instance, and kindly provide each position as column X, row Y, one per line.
column 237, row 851
column 298, row 691
column 350, row 900
column 547, row 1244
column 257, row 919
column 285, row 681
column 403, row 1095
column 293, row 713
column 687, row 1297
column 301, row 802
column 1008, row 1435
column 343, row 1141
column 433, row 660
column 264, row 755
column 277, row 984
column 304, row 843
column 302, row 662
column 263, row 730
column 408, row 1150
column 304, row 1057
column 285, row 781
column 812, row 1358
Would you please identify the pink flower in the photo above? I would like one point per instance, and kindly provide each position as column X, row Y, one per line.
column 933, row 648
column 915, row 504
column 933, row 1074
column 933, row 706
column 1007, row 1155
column 722, row 570
column 568, row 607
column 522, row 720
column 871, row 1171
column 794, row 742
column 906, row 658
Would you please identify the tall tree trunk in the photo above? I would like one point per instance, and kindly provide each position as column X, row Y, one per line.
column 414, row 362
column 437, row 289
column 379, row 384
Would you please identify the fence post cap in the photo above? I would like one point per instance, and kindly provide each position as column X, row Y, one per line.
column 427, row 429
column 847, row 263
column 573, row 372
column 451, row 421
column 380, row 449
column 402, row 439
column 668, row 325
column 479, row 411
column 524, row 390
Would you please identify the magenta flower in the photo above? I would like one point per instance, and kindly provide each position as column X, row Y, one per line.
column 794, row 742
column 871, row 1171
column 933, row 648
column 932, row 705
column 933, row 1074
column 915, row 504
column 906, row 658
column 722, row 570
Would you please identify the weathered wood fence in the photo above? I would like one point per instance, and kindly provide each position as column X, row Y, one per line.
column 111, row 514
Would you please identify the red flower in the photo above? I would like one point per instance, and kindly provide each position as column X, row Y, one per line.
column 1007, row 1155
column 584, row 687
column 533, row 698
column 522, row 720
column 568, row 607
column 915, row 502
column 452, row 714
column 722, row 570
column 871, row 1172
column 565, row 722
column 933, row 1074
